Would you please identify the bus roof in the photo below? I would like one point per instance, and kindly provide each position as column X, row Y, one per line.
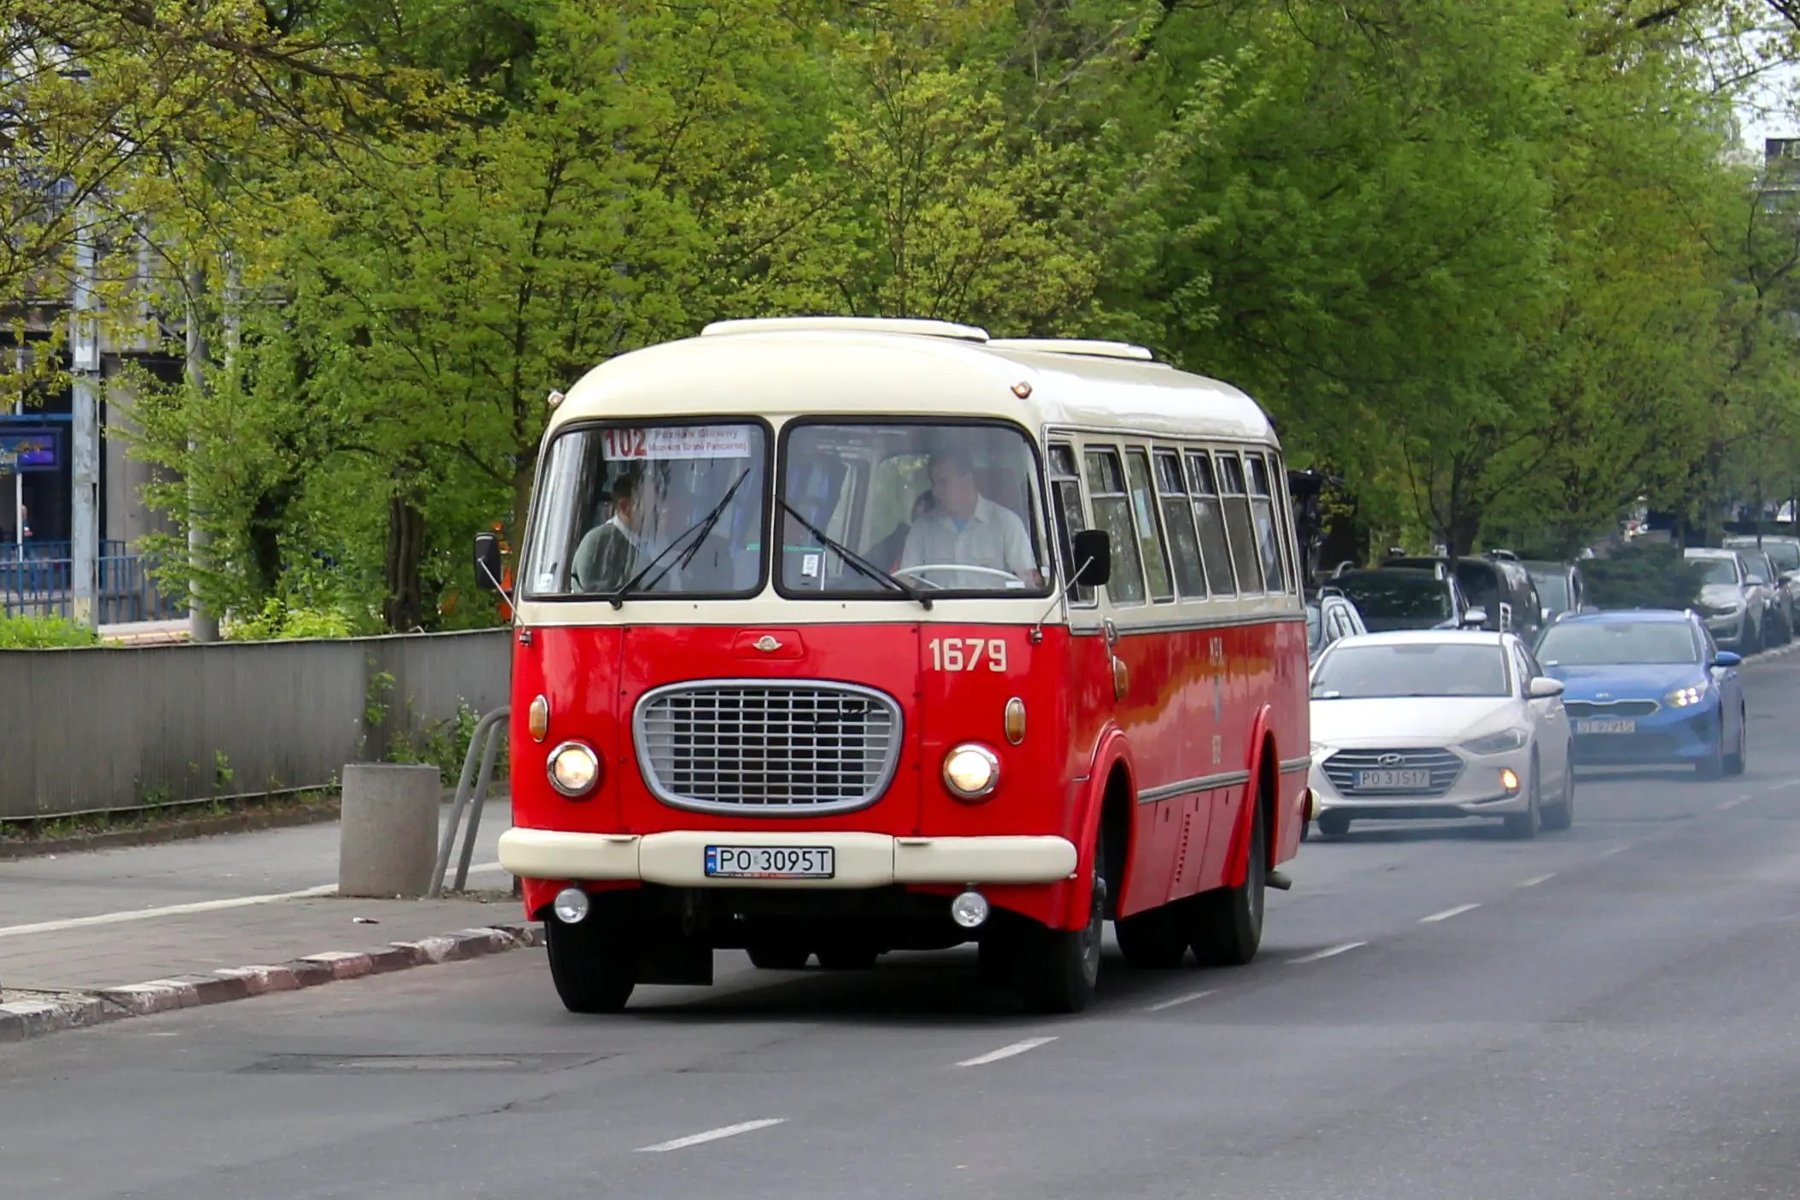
column 872, row 367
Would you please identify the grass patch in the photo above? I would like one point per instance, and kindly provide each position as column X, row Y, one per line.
column 168, row 817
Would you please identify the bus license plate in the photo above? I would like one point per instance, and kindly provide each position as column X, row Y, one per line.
column 1607, row 725
column 1415, row 778
column 771, row 862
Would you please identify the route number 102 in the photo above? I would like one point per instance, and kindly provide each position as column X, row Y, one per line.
column 967, row 654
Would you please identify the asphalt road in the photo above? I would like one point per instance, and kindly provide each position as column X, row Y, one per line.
column 1438, row 1013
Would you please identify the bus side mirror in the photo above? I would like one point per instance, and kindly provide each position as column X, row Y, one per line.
column 1093, row 558
column 487, row 562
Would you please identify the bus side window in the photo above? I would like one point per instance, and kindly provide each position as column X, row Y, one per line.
column 1237, row 520
column 1112, row 512
column 1215, row 548
column 1290, row 532
column 1178, row 517
column 1149, row 525
column 1268, row 532
column 1065, row 487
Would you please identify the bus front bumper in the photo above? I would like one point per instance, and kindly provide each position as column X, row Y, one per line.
column 862, row 860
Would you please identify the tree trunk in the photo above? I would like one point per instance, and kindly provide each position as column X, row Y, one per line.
column 403, row 607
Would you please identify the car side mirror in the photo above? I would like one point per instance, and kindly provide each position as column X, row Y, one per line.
column 1728, row 658
column 487, row 562
column 1545, row 688
column 1093, row 558
column 1474, row 617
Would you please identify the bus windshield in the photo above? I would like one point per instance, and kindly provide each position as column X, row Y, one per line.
column 945, row 508
column 641, row 509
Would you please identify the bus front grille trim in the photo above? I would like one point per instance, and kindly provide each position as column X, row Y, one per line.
column 755, row 746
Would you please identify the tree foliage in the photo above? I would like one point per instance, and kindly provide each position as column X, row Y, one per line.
column 1491, row 264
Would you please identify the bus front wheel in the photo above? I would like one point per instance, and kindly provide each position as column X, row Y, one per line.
column 594, row 966
column 1058, row 968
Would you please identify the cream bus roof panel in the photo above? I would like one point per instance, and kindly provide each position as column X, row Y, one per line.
column 868, row 371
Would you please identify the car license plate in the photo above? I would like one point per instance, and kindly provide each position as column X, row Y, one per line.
column 1606, row 725
column 771, row 862
column 1416, row 778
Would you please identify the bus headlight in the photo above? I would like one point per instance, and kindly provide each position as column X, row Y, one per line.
column 971, row 772
column 574, row 769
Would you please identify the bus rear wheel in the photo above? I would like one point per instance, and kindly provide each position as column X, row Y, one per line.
column 1057, row 969
column 1153, row 939
column 779, row 956
column 594, row 966
column 1224, row 926
column 848, row 956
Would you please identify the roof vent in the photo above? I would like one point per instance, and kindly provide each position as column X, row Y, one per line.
column 1077, row 346
column 915, row 328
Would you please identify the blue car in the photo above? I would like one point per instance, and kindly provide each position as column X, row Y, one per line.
column 1648, row 687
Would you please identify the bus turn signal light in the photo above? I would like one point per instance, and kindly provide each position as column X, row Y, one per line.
column 1015, row 720
column 540, row 718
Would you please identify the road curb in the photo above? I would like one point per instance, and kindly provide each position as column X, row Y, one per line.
column 24, row 1019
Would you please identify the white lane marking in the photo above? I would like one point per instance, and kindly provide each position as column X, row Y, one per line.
column 711, row 1135
column 981, row 1060
column 1189, row 998
column 1731, row 804
column 1781, row 787
column 1615, row 850
column 1448, row 913
column 1537, row 879
column 168, row 910
column 198, row 906
column 1330, row 952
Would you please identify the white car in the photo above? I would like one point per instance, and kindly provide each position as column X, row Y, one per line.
column 1432, row 724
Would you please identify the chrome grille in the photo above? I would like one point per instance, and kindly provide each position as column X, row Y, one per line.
column 1610, row 708
column 767, row 745
column 1344, row 767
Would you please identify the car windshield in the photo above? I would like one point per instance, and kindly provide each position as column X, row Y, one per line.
column 665, row 509
column 1410, row 669
column 1785, row 554
column 944, row 508
column 1553, row 590
column 1619, row 643
column 1397, row 601
column 1716, row 570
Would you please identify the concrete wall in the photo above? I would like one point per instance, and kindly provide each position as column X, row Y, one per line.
column 124, row 727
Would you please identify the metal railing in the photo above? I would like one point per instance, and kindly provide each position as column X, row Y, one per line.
column 477, row 774
column 39, row 585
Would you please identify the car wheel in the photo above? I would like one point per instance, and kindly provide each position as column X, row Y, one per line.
column 1562, row 815
column 1713, row 765
column 1333, row 824
column 1524, row 826
column 1734, row 762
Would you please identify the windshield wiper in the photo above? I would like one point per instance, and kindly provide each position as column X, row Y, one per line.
column 702, row 527
column 862, row 565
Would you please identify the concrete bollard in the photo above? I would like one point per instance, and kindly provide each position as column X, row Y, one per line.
column 387, row 839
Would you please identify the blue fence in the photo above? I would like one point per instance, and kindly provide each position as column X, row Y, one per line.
column 37, row 584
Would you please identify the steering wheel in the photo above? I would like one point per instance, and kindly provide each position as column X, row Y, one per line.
column 922, row 567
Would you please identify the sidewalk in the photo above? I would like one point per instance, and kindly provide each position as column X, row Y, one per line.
column 74, row 927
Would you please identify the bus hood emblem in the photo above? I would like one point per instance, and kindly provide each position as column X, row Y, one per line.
column 768, row 643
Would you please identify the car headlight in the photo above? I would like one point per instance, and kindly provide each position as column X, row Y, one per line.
column 971, row 772
column 574, row 769
column 1685, row 697
column 1320, row 750
column 1497, row 743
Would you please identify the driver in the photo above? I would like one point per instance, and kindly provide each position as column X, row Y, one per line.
column 963, row 527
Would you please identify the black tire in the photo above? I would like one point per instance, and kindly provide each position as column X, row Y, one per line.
column 849, row 956
column 1524, row 826
column 1333, row 824
column 1153, row 940
column 1057, row 969
column 1713, row 765
column 1560, row 816
column 1735, row 761
column 594, row 966
column 1224, row 926
column 779, row 956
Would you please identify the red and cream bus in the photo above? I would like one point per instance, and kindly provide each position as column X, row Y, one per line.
column 840, row 636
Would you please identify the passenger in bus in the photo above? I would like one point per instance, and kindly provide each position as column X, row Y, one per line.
column 648, row 514
column 966, row 528
column 610, row 552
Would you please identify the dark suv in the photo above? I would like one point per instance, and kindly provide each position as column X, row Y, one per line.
column 1407, row 598
column 1497, row 583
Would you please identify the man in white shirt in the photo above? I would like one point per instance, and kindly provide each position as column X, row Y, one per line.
column 966, row 528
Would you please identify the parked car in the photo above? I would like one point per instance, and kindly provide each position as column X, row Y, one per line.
column 1561, row 589
column 1783, row 585
column 1407, row 598
column 1733, row 606
column 1330, row 616
column 1498, row 584
column 1648, row 686
column 1434, row 724
column 1782, row 547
